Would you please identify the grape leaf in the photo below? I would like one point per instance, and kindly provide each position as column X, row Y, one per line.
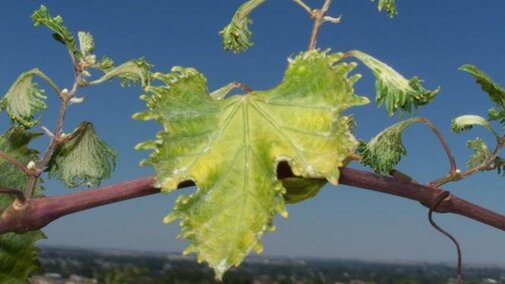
column 18, row 254
column 300, row 189
column 480, row 154
column 231, row 147
column 494, row 90
column 393, row 90
column 466, row 122
column 236, row 35
column 61, row 32
column 387, row 5
column 24, row 99
column 130, row 72
column 82, row 160
column 384, row 151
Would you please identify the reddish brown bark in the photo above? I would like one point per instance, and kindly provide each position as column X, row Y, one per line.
column 42, row 211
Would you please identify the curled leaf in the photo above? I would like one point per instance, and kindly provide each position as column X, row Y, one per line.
column 387, row 5
column 466, row 122
column 386, row 149
column 393, row 90
column 84, row 159
column 230, row 147
column 130, row 72
column 494, row 90
column 24, row 99
column 300, row 189
column 236, row 35
column 62, row 34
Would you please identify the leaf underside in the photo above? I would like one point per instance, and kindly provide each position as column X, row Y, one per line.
column 18, row 254
column 24, row 99
column 231, row 147
column 83, row 160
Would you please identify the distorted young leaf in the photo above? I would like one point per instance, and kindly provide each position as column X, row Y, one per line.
column 494, row 90
column 480, row 154
column 18, row 253
column 236, row 35
column 24, row 99
column 387, row 5
column 105, row 64
column 466, row 122
column 61, row 32
column 130, row 72
column 86, row 43
column 231, row 147
column 393, row 90
column 386, row 149
column 84, row 159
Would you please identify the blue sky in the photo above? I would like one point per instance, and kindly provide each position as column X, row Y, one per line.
column 429, row 38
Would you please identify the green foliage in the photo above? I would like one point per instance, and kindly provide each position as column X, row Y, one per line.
column 480, row 152
column 61, row 33
column 466, row 122
column 300, row 189
column 494, row 90
column 18, row 254
column 24, row 99
column 130, row 72
column 393, row 90
column 236, row 35
column 389, row 6
column 231, row 147
column 84, row 159
column 386, row 149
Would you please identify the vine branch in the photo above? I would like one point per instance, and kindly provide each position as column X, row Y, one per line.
column 42, row 211
column 443, row 142
column 319, row 18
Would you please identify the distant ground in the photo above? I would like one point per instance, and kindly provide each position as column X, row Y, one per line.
column 77, row 266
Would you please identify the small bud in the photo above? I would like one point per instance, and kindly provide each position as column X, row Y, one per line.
column 31, row 165
column 458, row 171
column 86, row 73
column 64, row 91
column 76, row 100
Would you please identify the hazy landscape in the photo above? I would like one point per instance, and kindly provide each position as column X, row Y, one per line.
column 67, row 265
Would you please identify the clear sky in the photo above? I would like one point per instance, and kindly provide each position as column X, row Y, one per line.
column 429, row 38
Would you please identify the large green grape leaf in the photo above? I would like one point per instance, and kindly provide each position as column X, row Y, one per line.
column 18, row 254
column 231, row 147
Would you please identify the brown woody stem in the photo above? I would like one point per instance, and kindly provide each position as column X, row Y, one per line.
column 42, row 211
